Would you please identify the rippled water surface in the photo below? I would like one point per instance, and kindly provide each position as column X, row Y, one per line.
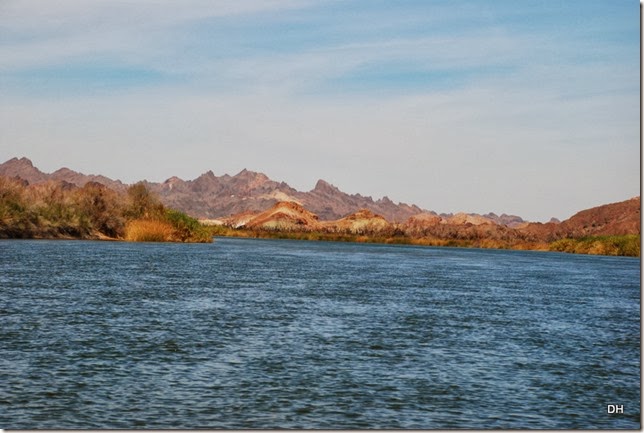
column 292, row 334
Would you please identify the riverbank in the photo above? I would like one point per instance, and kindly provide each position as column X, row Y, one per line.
column 155, row 231
column 626, row 245
column 57, row 210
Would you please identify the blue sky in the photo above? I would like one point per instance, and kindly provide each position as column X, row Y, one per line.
column 529, row 107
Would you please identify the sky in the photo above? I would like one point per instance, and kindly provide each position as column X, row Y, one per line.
column 521, row 107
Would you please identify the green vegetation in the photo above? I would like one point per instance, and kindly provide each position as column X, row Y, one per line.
column 186, row 228
column 61, row 210
column 625, row 245
column 392, row 237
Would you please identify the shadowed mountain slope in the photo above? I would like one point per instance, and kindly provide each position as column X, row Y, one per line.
column 251, row 193
column 211, row 196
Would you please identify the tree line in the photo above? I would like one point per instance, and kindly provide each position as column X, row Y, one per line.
column 93, row 211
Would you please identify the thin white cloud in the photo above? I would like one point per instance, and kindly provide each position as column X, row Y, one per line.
column 542, row 137
column 57, row 31
column 461, row 150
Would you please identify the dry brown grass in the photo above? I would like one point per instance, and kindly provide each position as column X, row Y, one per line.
column 146, row 230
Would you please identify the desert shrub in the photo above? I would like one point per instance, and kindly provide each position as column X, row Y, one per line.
column 563, row 245
column 12, row 200
column 147, row 230
column 186, row 228
column 17, row 219
column 623, row 245
column 102, row 208
column 142, row 204
column 630, row 245
column 48, row 212
column 59, row 209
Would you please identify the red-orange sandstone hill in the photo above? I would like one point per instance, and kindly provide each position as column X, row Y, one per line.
column 612, row 219
column 284, row 216
column 621, row 218
column 252, row 200
column 293, row 217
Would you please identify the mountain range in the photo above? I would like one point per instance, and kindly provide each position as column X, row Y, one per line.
column 211, row 197
column 252, row 200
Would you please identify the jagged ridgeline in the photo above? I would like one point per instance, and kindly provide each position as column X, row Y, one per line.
column 69, row 204
column 209, row 196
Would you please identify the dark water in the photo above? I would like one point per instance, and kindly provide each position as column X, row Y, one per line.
column 287, row 334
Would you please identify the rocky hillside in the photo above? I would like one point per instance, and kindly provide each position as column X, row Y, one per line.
column 284, row 216
column 621, row 218
column 292, row 217
column 23, row 168
column 210, row 196
column 248, row 194
column 330, row 203
column 363, row 222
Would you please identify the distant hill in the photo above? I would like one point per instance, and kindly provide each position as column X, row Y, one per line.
column 611, row 229
column 621, row 218
column 252, row 202
column 293, row 217
column 210, row 196
column 610, row 219
column 24, row 169
column 249, row 193
column 284, row 216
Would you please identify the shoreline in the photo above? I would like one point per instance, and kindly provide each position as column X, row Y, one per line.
column 360, row 239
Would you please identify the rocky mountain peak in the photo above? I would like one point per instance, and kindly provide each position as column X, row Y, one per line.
column 64, row 171
column 207, row 183
column 323, row 186
column 385, row 200
column 24, row 169
column 207, row 177
column 18, row 162
column 173, row 179
column 249, row 174
column 249, row 179
column 21, row 161
column 172, row 182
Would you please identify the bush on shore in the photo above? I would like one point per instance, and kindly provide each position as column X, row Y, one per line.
column 186, row 228
column 624, row 245
column 61, row 210
column 155, row 223
column 146, row 230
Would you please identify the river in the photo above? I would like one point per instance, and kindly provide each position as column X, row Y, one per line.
column 249, row 334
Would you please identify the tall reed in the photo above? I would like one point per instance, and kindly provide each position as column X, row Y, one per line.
column 148, row 230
